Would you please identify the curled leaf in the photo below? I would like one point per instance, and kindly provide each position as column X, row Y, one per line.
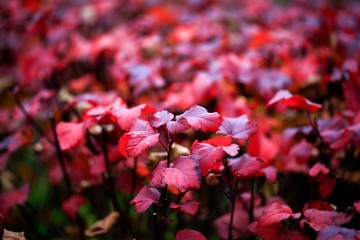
column 102, row 226
column 295, row 101
column 9, row 235
column 190, row 207
column 196, row 117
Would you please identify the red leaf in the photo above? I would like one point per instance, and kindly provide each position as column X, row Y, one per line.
column 357, row 206
column 212, row 152
column 318, row 204
column 69, row 134
column 326, row 185
column 133, row 143
column 317, row 169
column 200, row 119
column 239, row 128
column 145, row 198
column 263, row 146
column 72, row 205
column 275, row 213
column 245, row 166
column 211, row 156
column 190, row 207
column 189, row 234
column 9, row 199
column 126, row 117
column 183, row 174
column 106, row 109
column 266, row 232
column 219, row 141
column 295, row 101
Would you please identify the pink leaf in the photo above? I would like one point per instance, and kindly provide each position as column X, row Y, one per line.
column 301, row 151
column 145, row 198
column 239, row 128
column 183, row 174
column 180, row 125
column 190, row 207
column 72, row 205
column 9, row 199
column 69, row 134
column 156, row 177
column 161, row 118
column 189, row 234
column 318, row 219
column 270, row 173
column 317, row 169
column 245, row 166
column 295, row 101
column 200, row 119
column 232, row 149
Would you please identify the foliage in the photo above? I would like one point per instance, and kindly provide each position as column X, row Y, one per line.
column 158, row 119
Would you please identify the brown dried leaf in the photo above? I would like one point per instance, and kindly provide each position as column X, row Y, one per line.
column 212, row 179
column 102, row 226
column 9, row 235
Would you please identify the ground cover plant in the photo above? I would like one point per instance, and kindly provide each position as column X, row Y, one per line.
column 178, row 120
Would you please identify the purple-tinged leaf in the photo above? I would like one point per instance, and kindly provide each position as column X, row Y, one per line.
column 145, row 198
column 240, row 128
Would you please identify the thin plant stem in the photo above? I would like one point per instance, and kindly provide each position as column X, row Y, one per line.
column 252, row 201
column 62, row 162
column 323, row 147
column 233, row 200
column 31, row 120
column 61, row 157
column 109, row 181
column 227, row 173
column 163, row 198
